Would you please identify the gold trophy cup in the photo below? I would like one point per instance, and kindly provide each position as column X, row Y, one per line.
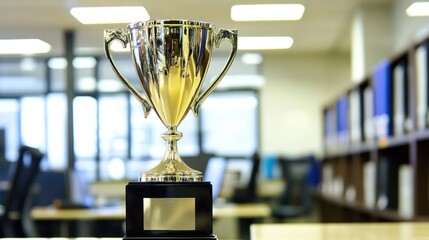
column 171, row 58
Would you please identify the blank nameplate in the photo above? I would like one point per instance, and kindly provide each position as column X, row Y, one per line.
column 169, row 213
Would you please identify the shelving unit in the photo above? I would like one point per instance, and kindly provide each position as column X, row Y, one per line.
column 376, row 164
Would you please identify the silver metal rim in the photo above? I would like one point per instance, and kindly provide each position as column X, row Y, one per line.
column 172, row 23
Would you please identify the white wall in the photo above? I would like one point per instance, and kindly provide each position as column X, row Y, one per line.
column 296, row 88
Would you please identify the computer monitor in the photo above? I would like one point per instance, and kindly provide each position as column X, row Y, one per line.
column 215, row 172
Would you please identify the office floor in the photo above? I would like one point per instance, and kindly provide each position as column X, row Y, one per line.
column 227, row 228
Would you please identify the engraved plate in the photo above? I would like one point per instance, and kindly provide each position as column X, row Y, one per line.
column 169, row 213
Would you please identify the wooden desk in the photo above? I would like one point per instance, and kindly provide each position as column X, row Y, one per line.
column 248, row 210
column 246, row 213
column 104, row 213
column 341, row 231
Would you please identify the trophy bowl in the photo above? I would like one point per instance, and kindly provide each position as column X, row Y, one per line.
column 171, row 59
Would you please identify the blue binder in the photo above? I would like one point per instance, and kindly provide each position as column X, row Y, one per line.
column 383, row 99
column 342, row 118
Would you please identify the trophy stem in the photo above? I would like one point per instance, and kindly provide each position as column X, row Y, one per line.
column 171, row 168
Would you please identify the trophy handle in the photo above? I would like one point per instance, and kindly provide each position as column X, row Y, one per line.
column 223, row 34
column 118, row 34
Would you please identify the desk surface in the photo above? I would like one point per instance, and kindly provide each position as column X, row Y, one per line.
column 4, row 185
column 251, row 210
column 341, row 231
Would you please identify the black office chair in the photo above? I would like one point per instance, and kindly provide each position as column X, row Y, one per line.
column 248, row 193
column 295, row 200
column 16, row 220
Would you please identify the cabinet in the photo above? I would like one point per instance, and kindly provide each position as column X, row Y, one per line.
column 376, row 144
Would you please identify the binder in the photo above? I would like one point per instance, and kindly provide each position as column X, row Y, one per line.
column 355, row 116
column 368, row 113
column 406, row 191
column 369, row 184
column 330, row 126
column 342, row 119
column 421, row 65
column 387, row 184
column 400, row 98
column 383, row 99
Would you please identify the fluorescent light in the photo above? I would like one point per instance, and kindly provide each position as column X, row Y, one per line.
column 261, row 43
column 28, row 64
column 242, row 81
column 57, row 63
column 105, row 15
column 78, row 62
column 23, row 46
column 252, row 58
column 109, row 85
column 418, row 9
column 84, row 62
column 87, row 84
column 267, row 12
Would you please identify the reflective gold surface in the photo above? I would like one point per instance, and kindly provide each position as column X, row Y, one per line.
column 171, row 61
column 169, row 213
column 171, row 58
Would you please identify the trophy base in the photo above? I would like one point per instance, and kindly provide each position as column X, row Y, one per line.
column 169, row 211
column 213, row 237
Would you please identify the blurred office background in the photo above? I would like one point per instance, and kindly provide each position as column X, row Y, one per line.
column 68, row 103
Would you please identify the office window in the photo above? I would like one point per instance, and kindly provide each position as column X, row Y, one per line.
column 85, row 74
column 56, row 108
column 57, row 72
column 85, row 126
column 33, row 122
column 109, row 82
column 113, row 130
column 113, row 125
column 188, row 145
column 146, row 139
column 9, row 121
column 25, row 75
column 229, row 123
column 85, row 135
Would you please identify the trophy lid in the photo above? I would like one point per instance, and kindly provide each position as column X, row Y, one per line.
column 171, row 22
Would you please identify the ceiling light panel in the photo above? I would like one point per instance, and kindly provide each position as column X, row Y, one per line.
column 23, row 46
column 418, row 9
column 109, row 15
column 267, row 12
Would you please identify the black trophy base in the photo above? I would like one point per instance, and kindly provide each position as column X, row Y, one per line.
column 213, row 237
column 169, row 211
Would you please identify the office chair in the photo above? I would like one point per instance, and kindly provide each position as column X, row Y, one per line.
column 248, row 194
column 295, row 200
column 16, row 220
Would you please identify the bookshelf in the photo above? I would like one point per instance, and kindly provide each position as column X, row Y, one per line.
column 376, row 144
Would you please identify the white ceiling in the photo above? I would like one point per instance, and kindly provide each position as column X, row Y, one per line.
column 325, row 26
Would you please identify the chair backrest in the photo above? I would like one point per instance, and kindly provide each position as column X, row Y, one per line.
column 296, row 173
column 248, row 194
column 251, row 186
column 16, row 220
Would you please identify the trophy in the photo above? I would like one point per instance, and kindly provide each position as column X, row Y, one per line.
column 171, row 58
